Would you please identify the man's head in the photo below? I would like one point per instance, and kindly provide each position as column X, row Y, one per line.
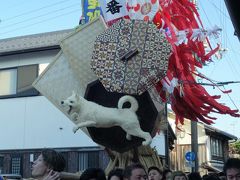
column 48, row 160
column 232, row 169
column 53, row 159
column 135, row 172
column 154, row 173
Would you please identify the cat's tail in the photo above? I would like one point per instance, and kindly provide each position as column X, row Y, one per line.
column 131, row 99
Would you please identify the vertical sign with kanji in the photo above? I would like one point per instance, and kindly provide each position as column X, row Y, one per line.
column 113, row 9
column 91, row 10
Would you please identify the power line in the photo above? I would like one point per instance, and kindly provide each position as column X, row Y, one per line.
column 34, row 10
column 211, row 84
column 223, row 13
column 33, row 18
column 231, row 100
column 42, row 21
column 230, row 64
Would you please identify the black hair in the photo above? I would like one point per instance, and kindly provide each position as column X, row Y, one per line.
column 155, row 168
column 127, row 173
column 90, row 173
column 53, row 159
column 211, row 177
column 194, row 176
column 179, row 173
column 165, row 172
column 116, row 172
column 231, row 163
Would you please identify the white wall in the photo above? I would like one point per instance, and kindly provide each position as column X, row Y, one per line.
column 33, row 122
column 158, row 143
column 184, row 136
column 27, row 59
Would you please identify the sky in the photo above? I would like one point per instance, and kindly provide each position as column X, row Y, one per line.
column 22, row 17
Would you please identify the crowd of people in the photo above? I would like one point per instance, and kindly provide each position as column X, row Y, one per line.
column 50, row 164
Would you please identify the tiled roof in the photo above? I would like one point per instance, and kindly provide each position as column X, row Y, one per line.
column 220, row 132
column 33, row 41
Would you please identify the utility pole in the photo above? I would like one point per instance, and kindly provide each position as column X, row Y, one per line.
column 194, row 144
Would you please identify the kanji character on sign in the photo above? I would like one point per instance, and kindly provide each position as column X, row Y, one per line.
column 113, row 9
column 113, row 6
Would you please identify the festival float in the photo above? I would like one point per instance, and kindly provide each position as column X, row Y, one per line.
column 124, row 66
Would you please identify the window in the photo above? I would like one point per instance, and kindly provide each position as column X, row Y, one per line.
column 8, row 77
column 88, row 159
column 1, row 164
column 216, row 149
column 17, row 82
column 16, row 165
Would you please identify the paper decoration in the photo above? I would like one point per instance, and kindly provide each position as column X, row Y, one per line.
column 91, row 10
column 113, row 9
column 130, row 57
column 57, row 81
column 142, row 9
column 78, row 48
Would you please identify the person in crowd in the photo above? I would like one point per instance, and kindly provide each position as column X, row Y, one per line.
column 93, row 174
column 178, row 175
column 211, row 177
column 194, row 176
column 135, row 172
column 154, row 173
column 48, row 165
column 221, row 176
column 167, row 173
column 115, row 174
column 232, row 169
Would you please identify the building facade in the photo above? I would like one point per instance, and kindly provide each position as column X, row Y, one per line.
column 213, row 147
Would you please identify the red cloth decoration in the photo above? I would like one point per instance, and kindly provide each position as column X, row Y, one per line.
column 189, row 99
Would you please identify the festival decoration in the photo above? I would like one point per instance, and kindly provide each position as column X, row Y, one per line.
column 113, row 9
column 161, row 52
column 115, row 137
column 62, row 75
column 78, row 48
column 130, row 57
column 142, row 9
column 91, row 10
column 188, row 99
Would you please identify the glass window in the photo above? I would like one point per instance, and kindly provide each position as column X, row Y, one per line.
column 83, row 160
column 88, row 159
column 25, row 77
column 17, row 82
column 16, row 165
column 216, row 148
column 8, row 82
column 1, row 164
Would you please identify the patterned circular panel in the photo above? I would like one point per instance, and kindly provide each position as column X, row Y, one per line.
column 130, row 57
